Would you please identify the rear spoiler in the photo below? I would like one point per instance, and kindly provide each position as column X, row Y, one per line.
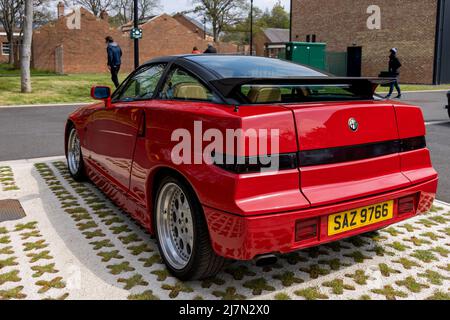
column 366, row 86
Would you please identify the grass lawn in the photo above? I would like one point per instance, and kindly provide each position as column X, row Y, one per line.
column 7, row 70
column 52, row 89
column 416, row 87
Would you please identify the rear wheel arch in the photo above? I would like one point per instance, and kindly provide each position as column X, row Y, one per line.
column 155, row 179
column 204, row 261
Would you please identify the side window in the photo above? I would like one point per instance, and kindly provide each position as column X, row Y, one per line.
column 181, row 85
column 143, row 85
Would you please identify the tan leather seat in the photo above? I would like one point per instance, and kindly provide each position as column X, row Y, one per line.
column 262, row 95
column 191, row 91
column 303, row 91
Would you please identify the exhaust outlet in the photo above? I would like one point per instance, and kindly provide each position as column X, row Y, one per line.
column 266, row 260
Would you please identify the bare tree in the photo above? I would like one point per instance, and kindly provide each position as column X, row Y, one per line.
column 10, row 16
column 42, row 12
column 124, row 9
column 95, row 6
column 220, row 13
column 25, row 52
column 148, row 7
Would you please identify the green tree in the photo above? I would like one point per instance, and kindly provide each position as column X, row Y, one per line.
column 220, row 13
column 239, row 32
column 277, row 17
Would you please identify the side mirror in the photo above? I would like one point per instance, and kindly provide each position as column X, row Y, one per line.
column 102, row 93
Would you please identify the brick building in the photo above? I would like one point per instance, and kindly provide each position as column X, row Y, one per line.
column 194, row 26
column 165, row 35
column 269, row 42
column 420, row 29
column 5, row 45
column 75, row 42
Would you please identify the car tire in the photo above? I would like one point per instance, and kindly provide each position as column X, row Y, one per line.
column 185, row 245
column 74, row 157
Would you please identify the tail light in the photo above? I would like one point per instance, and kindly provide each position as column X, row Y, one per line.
column 406, row 205
column 255, row 164
column 411, row 144
column 306, row 229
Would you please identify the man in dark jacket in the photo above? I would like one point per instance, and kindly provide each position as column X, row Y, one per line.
column 394, row 66
column 114, row 59
column 210, row 49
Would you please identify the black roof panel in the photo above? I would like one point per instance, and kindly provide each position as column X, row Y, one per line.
column 238, row 66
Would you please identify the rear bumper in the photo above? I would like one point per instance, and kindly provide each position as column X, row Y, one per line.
column 244, row 238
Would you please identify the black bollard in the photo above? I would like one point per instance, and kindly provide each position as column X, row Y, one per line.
column 448, row 105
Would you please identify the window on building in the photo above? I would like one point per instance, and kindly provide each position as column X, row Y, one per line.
column 308, row 38
column 313, row 38
column 5, row 48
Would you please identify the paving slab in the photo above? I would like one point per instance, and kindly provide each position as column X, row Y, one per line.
column 76, row 244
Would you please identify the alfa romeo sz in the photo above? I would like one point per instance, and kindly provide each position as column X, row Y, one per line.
column 347, row 162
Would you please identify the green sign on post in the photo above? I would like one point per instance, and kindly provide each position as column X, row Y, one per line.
column 136, row 33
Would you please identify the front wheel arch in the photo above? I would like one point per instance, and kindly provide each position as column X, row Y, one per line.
column 78, row 172
column 69, row 126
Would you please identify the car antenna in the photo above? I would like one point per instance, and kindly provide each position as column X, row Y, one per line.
column 236, row 108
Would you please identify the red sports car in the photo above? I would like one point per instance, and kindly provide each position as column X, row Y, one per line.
column 346, row 162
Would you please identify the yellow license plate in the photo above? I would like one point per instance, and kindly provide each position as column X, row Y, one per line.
column 361, row 217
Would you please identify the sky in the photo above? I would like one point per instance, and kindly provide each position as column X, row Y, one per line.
column 172, row 6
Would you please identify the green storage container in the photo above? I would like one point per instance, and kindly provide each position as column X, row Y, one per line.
column 307, row 53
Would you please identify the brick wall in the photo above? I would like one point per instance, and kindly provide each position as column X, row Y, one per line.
column 259, row 43
column 83, row 48
column 3, row 58
column 408, row 25
column 191, row 26
column 164, row 35
column 4, row 39
column 84, row 51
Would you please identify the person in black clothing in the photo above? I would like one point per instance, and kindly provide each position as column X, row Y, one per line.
column 210, row 49
column 394, row 66
column 114, row 59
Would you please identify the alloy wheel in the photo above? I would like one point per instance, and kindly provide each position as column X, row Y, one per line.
column 175, row 225
column 73, row 152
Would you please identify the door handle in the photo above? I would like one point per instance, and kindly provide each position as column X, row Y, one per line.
column 141, row 124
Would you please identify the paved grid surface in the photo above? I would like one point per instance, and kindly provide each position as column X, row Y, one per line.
column 75, row 244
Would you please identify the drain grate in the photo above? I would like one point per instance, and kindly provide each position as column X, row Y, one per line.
column 11, row 210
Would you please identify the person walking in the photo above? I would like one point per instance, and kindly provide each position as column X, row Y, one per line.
column 394, row 66
column 114, row 59
column 210, row 49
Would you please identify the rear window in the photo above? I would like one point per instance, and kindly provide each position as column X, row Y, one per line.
column 253, row 67
column 254, row 94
